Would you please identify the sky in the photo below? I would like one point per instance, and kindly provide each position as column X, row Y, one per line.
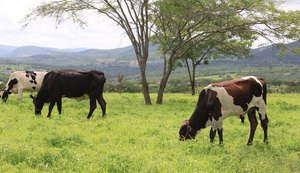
column 100, row 33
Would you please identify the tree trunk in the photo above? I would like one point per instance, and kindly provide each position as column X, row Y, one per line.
column 162, row 86
column 163, row 83
column 191, row 75
column 145, row 89
column 193, row 82
column 145, row 85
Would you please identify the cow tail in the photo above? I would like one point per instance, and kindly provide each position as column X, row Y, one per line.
column 265, row 92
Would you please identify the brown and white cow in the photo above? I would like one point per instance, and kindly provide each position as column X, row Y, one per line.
column 218, row 101
column 23, row 80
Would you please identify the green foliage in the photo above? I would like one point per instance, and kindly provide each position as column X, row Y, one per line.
column 134, row 137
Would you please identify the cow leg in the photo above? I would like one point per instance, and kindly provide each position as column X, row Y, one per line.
column 220, row 133
column 51, row 105
column 253, row 125
column 242, row 119
column 92, row 106
column 102, row 103
column 212, row 134
column 264, row 125
column 20, row 93
column 59, row 105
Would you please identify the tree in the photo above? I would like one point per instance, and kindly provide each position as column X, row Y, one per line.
column 132, row 16
column 217, row 48
column 180, row 24
column 196, row 56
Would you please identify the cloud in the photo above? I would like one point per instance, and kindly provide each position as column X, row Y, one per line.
column 291, row 5
column 100, row 33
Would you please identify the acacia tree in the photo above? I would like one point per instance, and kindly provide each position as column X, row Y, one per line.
column 220, row 47
column 180, row 24
column 132, row 16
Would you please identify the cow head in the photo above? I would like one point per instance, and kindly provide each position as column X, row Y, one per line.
column 186, row 131
column 4, row 95
column 38, row 106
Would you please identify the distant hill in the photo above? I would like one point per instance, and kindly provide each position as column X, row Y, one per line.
column 5, row 50
column 123, row 60
column 268, row 56
column 262, row 57
column 73, row 57
column 26, row 51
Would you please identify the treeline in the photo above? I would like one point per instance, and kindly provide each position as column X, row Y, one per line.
column 180, row 86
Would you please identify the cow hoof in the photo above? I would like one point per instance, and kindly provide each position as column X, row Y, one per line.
column 249, row 143
column 221, row 144
column 266, row 141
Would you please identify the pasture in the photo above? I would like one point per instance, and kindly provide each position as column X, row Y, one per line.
column 138, row 138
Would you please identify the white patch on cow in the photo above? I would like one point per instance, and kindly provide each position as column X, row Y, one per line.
column 216, row 124
column 227, row 103
column 228, row 108
column 259, row 102
column 208, row 123
column 253, row 77
column 24, row 82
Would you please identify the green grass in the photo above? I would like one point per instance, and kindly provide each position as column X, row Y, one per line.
column 138, row 138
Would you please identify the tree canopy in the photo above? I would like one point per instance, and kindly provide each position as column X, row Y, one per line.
column 132, row 16
column 225, row 25
column 182, row 28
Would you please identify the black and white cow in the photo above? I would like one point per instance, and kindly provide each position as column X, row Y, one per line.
column 72, row 84
column 23, row 80
column 217, row 101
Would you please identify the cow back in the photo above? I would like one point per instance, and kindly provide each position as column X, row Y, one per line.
column 241, row 90
column 70, row 83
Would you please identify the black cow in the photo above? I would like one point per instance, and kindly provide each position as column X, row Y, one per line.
column 219, row 100
column 72, row 84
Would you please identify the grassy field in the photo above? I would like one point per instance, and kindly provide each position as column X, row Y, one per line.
column 139, row 138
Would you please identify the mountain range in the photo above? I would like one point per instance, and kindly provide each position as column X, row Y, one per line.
column 123, row 59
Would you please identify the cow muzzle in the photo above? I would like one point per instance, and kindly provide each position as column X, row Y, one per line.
column 4, row 99
column 5, row 96
column 38, row 112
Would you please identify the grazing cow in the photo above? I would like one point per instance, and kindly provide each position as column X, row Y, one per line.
column 217, row 101
column 72, row 84
column 22, row 80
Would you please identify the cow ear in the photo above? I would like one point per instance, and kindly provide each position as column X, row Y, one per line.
column 31, row 96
